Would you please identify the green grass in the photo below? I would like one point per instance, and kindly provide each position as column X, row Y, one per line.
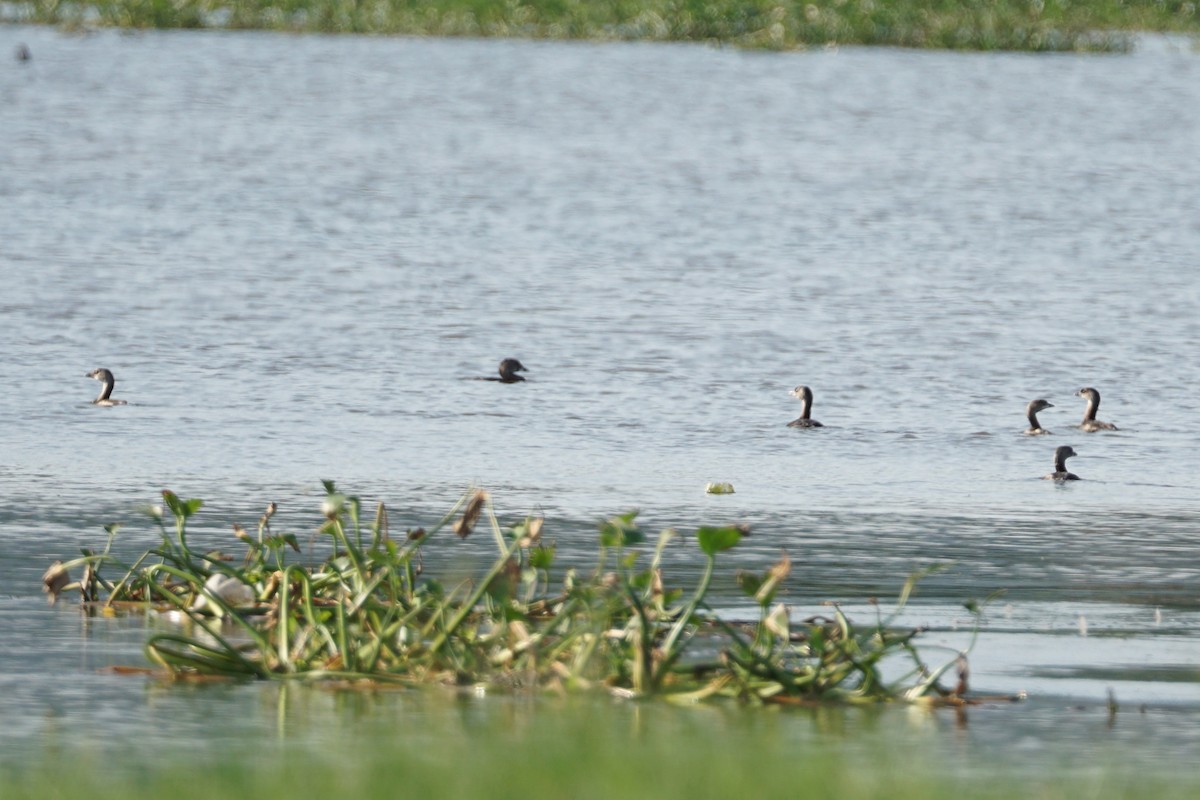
column 1036, row 25
column 594, row 752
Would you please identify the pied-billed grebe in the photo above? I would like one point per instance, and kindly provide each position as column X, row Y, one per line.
column 1035, row 429
column 1061, row 454
column 1090, row 424
column 806, row 397
column 509, row 368
column 107, row 383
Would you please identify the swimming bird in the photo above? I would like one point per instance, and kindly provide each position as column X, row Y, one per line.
column 1090, row 424
column 509, row 368
column 806, row 398
column 1031, row 410
column 107, row 383
column 1061, row 454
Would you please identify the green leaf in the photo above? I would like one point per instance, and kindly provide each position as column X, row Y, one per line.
column 182, row 509
column 541, row 557
column 816, row 639
column 749, row 582
column 714, row 540
column 620, row 531
column 173, row 503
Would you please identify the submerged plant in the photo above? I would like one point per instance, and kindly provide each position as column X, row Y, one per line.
column 368, row 612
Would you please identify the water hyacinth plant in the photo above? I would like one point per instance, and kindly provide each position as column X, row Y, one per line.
column 367, row 612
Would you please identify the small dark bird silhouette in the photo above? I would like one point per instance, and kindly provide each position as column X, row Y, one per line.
column 509, row 368
column 1061, row 454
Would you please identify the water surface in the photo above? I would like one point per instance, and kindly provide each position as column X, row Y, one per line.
column 297, row 253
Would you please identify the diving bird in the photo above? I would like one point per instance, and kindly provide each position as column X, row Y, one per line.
column 806, row 398
column 1035, row 429
column 107, row 382
column 1061, row 454
column 1090, row 424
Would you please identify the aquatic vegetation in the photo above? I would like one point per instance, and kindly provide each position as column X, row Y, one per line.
column 960, row 25
column 367, row 612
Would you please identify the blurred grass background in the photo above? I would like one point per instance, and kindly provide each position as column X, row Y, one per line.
column 1033, row 25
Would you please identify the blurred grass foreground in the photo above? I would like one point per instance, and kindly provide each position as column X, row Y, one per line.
column 1032, row 25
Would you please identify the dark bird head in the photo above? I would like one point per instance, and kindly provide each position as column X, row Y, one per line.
column 509, row 368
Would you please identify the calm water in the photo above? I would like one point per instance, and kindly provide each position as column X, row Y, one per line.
column 296, row 253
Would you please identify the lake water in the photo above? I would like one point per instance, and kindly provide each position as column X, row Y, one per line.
column 297, row 253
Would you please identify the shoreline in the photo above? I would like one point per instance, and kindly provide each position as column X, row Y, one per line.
column 974, row 26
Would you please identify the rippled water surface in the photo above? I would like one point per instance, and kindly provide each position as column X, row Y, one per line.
column 297, row 253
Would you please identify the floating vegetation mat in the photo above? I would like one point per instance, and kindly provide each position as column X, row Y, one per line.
column 367, row 614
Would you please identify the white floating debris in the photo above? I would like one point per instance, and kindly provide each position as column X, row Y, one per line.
column 231, row 590
column 55, row 580
column 1082, row 625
